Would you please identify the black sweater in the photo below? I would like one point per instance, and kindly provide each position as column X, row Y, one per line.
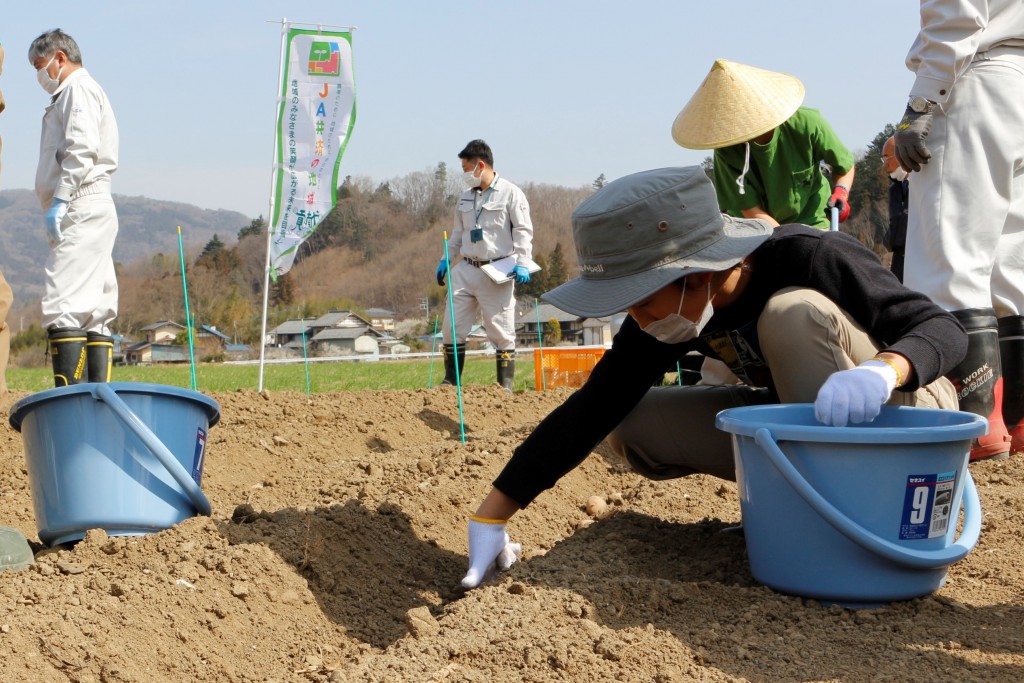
column 901, row 320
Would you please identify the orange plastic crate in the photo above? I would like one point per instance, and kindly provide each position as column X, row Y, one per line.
column 564, row 366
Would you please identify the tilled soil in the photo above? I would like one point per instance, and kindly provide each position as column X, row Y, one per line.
column 338, row 539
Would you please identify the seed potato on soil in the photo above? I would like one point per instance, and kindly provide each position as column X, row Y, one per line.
column 338, row 539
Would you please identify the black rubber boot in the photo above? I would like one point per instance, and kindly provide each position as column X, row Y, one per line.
column 100, row 351
column 68, row 355
column 454, row 362
column 1011, row 355
column 506, row 361
column 978, row 381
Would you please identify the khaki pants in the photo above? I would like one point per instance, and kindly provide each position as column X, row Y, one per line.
column 804, row 337
column 474, row 293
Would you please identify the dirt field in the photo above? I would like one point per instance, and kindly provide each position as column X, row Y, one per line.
column 337, row 543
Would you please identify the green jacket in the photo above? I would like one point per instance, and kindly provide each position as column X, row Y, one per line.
column 785, row 176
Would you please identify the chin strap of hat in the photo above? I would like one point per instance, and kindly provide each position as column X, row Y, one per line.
column 746, row 167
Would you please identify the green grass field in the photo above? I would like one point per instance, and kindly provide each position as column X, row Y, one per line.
column 323, row 377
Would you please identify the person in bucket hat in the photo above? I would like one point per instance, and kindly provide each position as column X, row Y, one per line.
column 768, row 149
column 799, row 314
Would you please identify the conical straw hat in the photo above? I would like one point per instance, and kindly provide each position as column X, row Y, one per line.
column 734, row 104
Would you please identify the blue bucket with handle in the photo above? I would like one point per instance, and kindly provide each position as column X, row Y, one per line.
column 857, row 516
column 124, row 457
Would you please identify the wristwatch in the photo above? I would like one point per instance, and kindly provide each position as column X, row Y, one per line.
column 921, row 105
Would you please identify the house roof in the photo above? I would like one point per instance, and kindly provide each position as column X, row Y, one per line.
column 214, row 331
column 163, row 323
column 380, row 313
column 340, row 318
column 292, row 326
column 331, row 318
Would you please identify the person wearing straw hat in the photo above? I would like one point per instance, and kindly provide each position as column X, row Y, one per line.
column 78, row 154
column 962, row 140
column 802, row 315
column 768, row 149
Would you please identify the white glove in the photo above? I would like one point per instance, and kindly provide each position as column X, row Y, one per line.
column 488, row 546
column 855, row 395
column 58, row 209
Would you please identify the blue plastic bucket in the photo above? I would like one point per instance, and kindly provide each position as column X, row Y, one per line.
column 860, row 515
column 124, row 457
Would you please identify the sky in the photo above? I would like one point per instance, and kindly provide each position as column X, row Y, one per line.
column 562, row 90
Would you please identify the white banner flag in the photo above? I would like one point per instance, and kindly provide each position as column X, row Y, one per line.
column 318, row 110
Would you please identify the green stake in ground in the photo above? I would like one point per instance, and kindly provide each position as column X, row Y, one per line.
column 455, row 359
column 188, row 318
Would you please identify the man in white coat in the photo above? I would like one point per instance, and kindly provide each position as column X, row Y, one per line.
column 962, row 140
column 77, row 156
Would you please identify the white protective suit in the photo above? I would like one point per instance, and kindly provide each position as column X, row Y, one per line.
column 77, row 155
column 965, row 229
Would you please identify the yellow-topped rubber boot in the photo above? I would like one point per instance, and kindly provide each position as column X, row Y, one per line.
column 100, row 351
column 68, row 355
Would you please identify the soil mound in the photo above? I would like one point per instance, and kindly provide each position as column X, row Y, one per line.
column 338, row 539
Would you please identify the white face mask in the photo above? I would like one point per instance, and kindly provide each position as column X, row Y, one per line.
column 899, row 175
column 48, row 84
column 674, row 328
column 472, row 180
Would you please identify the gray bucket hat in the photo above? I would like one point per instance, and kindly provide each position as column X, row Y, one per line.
column 645, row 230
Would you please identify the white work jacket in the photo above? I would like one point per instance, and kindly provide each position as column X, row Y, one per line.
column 503, row 214
column 79, row 142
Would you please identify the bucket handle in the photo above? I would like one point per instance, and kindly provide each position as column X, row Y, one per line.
column 103, row 392
column 907, row 557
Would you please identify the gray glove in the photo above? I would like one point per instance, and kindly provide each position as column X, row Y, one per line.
column 910, row 135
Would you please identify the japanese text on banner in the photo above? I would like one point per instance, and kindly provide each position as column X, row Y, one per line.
column 316, row 117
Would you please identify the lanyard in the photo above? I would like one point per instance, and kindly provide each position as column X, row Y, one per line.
column 483, row 197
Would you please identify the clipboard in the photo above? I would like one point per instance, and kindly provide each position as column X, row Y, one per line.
column 499, row 270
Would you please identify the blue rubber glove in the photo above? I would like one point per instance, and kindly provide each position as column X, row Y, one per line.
column 442, row 270
column 522, row 274
column 58, row 209
column 489, row 548
column 855, row 395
